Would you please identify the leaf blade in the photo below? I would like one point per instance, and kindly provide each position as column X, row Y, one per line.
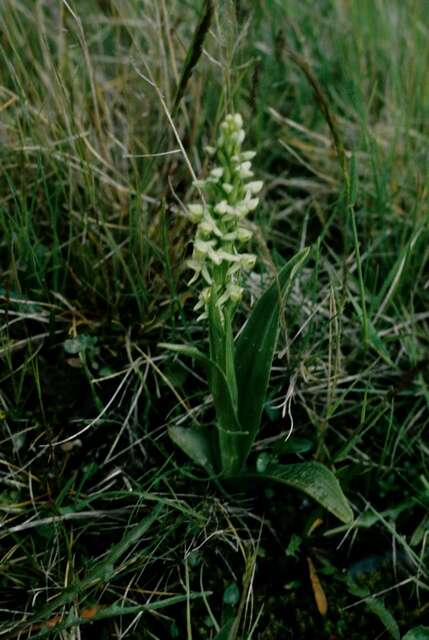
column 255, row 349
column 197, row 445
column 314, row 479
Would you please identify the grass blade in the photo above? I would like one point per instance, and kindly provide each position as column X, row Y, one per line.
column 113, row 611
column 194, row 52
column 101, row 570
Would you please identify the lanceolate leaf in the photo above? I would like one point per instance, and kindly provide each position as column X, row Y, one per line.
column 197, row 444
column 255, row 349
column 315, row 480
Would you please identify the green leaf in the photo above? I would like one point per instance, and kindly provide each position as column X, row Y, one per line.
column 101, row 570
column 383, row 614
column 231, row 595
column 377, row 607
column 293, row 445
column 315, row 480
column 418, row 633
column 224, row 633
column 228, row 424
column 197, row 444
column 255, row 349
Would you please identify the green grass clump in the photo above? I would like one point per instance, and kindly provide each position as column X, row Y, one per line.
column 105, row 110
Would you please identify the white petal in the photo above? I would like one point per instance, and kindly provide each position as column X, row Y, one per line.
column 254, row 187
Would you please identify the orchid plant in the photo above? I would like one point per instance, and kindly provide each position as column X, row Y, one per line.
column 238, row 370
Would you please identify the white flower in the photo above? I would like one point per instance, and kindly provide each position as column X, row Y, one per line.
column 215, row 257
column 251, row 203
column 195, row 265
column 208, row 226
column 241, row 210
column 203, row 299
column 210, row 150
column 254, row 187
column 217, row 173
column 226, row 256
column 222, row 207
column 238, row 136
column 205, row 273
column 237, row 119
column 244, row 169
column 247, row 260
column 247, row 155
column 243, row 235
column 235, row 292
column 203, row 247
column 227, row 187
column 195, row 212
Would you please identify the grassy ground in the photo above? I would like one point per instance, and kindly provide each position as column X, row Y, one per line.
column 107, row 531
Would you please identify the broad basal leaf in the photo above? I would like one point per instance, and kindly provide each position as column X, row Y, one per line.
column 315, row 480
column 418, row 633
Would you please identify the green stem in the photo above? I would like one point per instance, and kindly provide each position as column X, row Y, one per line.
column 222, row 353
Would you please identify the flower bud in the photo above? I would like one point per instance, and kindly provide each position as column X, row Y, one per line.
column 222, row 207
column 247, row 155
column 195, row 212
column 238, row 120
column 235, row 293
column 203, row 247
column 243, row 235
column 244, row 170
column 238, row 136
column 254, row 187
column 247, row 260
column 217, row 173
column 251, row 204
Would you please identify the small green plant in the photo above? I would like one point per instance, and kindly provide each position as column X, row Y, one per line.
column 239, row 370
